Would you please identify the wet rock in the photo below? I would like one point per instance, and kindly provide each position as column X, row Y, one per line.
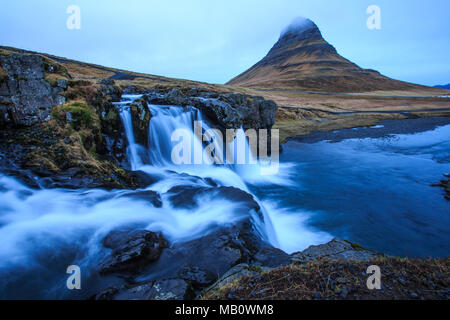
column 144, row 179
column 186, row 196
column 335, row 249
column 196, row 276
column 237, row 272
column 148, row 196
column 140, row 117
column 169, row 289
column 228, row 110
column 131, row 251
column 211, row 256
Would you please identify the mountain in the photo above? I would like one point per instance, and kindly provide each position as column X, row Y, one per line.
column 303, row 60
column 445, row 86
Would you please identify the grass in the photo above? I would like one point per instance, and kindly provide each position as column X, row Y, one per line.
column 299, row 122
column 401, row 278
column 83, row 116
column 3, row 75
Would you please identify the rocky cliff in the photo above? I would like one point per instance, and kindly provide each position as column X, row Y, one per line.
column 30, row 85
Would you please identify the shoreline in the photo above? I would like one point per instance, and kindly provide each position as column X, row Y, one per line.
column 384, row 128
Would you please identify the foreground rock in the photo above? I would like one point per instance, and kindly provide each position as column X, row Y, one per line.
column 171, row 289
column 335, row 249
column 131, row 251
column 188, row 267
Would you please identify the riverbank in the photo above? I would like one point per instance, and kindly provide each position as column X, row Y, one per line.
column 325, row 279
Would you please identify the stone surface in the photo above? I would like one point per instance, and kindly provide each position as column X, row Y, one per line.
column 335, row 249
column 228, row 110
column 148, row 196
column 26, row 97
column 187, row 196
column 131, row 251
column 169, row 289
column 140, row 117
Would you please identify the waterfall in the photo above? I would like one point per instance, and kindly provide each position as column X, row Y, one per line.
column 164, row 121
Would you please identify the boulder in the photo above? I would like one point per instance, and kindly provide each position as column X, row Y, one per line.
column 335, row 249
column 186, row 196
column 237, row 272
column 131, row 251
column 202, row 261
column 148, row 196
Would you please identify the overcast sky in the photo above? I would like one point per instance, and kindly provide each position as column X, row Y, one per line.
column 213, row 41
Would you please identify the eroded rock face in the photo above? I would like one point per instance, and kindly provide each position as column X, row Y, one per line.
column 140, row 117
column 131, row 251
column 335, row 249
column 26, row 98
column 228, row 110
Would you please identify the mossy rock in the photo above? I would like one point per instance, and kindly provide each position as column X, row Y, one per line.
column 83, row 116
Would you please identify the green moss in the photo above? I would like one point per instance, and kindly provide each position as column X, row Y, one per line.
column 82, row 115
column 53, row 67
column 5, row 53
column 255, row 268
column 112, row 115
column 356, row 246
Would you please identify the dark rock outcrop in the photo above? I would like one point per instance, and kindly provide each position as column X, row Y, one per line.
column 170, row 289
column 148, row 196
column 215, row 254
column 228, row 110
column 335, row 249
column 131, row 251
column 26, row 97
column 189, row 266
column 140, row 117
column 186, row 196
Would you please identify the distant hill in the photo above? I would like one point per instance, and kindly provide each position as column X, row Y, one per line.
column 445, row 86
column 303, row 60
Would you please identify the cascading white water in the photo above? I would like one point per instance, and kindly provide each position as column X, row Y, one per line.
column 165, row 120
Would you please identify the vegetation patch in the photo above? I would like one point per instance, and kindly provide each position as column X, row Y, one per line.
column 53, row 67
column 3, row 75
column 78, row 114
column 401, row 278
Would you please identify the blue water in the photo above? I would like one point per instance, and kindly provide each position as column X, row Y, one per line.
column 376, row 192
